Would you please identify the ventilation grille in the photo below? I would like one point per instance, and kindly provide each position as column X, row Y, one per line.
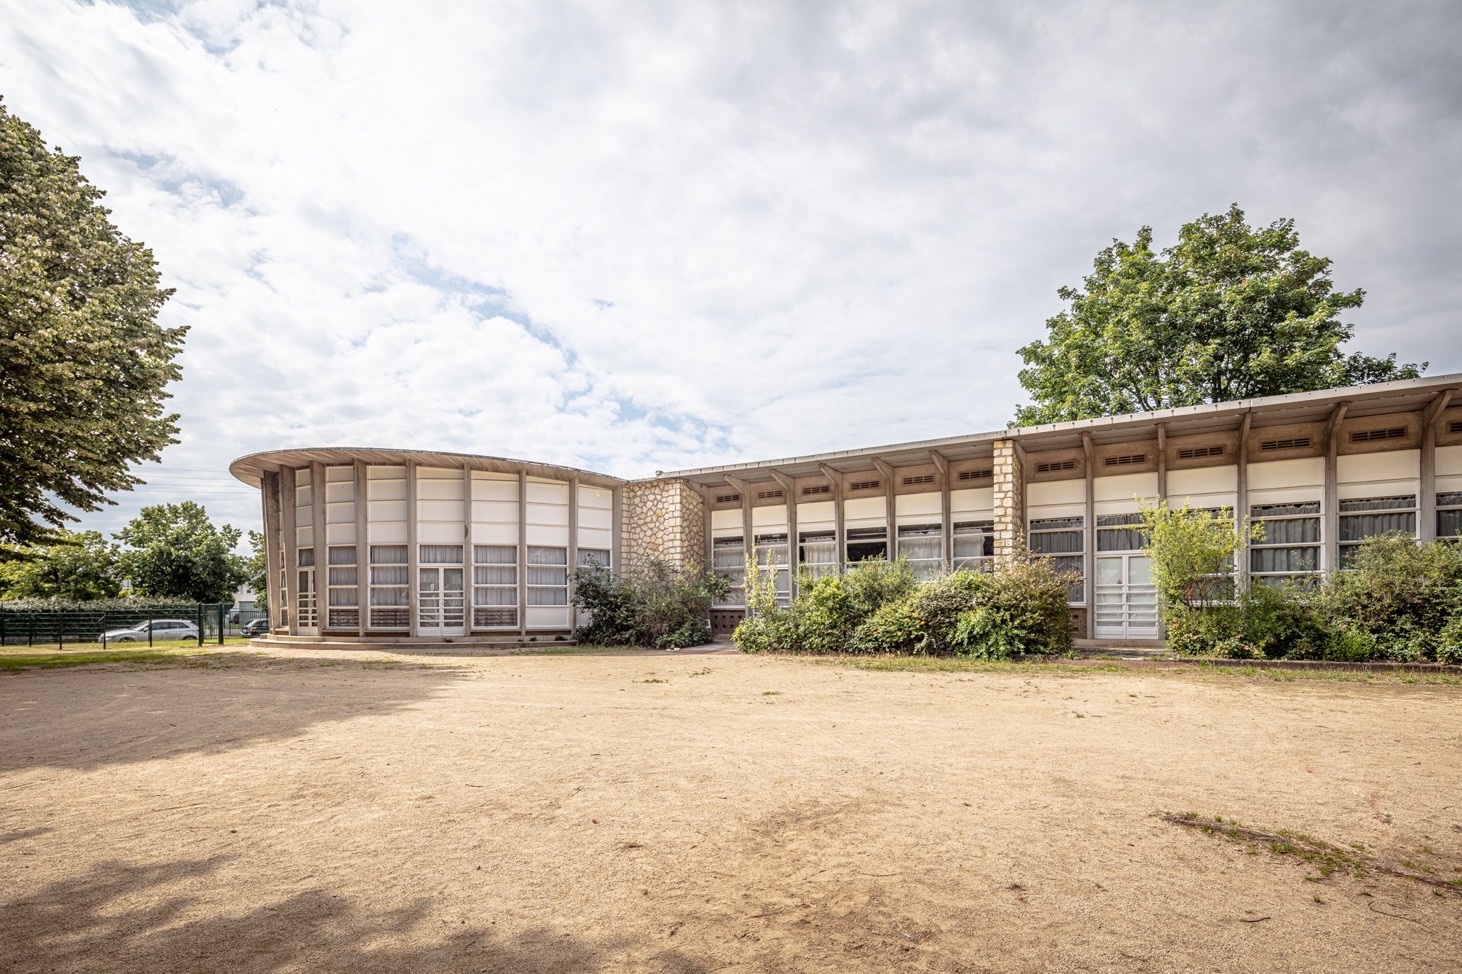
column 1055, row 465
column 1366, row 436
column 343, row 618
column 816, row 489
column 1455, row 426
column 391, row 618
column 927, row 478
column 976, row 474
column 1194, row 453
column 1125, row 460
column 767, row 495
column 728, row 498
column 865, row 485
column 1293, row 443
column 484, row 617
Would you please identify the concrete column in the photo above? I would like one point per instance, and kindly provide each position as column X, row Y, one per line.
column 523, row 553
column 322, row 546
column 890, row 506
column 1088, row 537
column 1162, row 462
column 1241, row 502
column 290, row 531
column 946, row 531
column 467, row 549
column 789, row 487
column 1008, row 479
column 573, row 548
column 617, row 555
column 412, row 556
column 269, row 491
column 1330, row 505
column 840, row 537
column 362, row 544
column 1426, row 510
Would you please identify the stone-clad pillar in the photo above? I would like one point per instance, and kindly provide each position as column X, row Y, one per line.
column 1009, row 483
column 664, row 520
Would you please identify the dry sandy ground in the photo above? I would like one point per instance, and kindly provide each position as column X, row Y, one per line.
column 711, row 813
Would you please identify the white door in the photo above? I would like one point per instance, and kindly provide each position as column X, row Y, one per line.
column 440, row 604
column 1126, row 601
column 306, row 617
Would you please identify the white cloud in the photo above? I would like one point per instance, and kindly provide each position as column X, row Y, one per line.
column 639, row 236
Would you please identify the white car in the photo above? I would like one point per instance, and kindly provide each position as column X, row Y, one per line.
column 161, row 629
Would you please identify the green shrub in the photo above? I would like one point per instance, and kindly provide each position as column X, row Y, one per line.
column 658, row 606
column 878, row 607
column 1407, row 597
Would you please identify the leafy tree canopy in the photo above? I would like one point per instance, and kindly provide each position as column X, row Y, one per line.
column 84, row 365
column 174, row 551
column 257, row 570
column 1228, row 312
column 78, row 567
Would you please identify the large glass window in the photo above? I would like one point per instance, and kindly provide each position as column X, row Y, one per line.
column 1449, row 515
column 772, row 556
column 547, row 575
column 1290, row 547
column 591, row 557
column 974, row 545
column 1063, row 541
column 494, row 586
column 866, row 543
column 922, row 545
column 1373, row 517
column 1120, row 532
column 390, row 606
column 343, row 596
column 728, row 559
column 819, row 555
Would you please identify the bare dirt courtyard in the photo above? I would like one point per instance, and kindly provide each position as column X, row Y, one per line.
column 714, row 813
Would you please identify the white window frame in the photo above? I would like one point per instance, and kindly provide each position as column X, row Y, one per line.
column 1310, row 512
column 342, row 591
column 728, row 559
column 384, row 594
column 971, row 536
column 926, row 566
column 1065, row 561
column 547, row 582
column 773, row 554
column 1353, row 510
column 1449, row 502
column 825, row 545
column 494, row 601
column 862, row 536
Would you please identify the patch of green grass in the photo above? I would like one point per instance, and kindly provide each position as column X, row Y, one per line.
column 11, row 661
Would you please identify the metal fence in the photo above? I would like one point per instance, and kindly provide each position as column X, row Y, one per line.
column 178, row 624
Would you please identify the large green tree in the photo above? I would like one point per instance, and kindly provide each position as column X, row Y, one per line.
column 84, row 365
column 75, row 566
column 174, row 551
column 1228, row 312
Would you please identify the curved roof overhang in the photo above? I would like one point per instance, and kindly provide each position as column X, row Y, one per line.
column 251, row 468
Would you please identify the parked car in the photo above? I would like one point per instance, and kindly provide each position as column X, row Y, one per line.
column 255, row 628
column 161, row 629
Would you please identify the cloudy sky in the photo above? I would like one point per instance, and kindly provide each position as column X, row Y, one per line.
column 642, row 236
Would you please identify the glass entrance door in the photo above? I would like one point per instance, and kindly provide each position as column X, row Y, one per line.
column 1126, row 601
column 440, row 606
column 307, row 618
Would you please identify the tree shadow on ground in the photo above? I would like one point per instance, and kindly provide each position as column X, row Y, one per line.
column 125, row 917
column 92, row 717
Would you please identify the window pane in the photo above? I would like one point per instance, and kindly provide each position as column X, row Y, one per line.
column 547, row 575
column 593, row 556
column 495, row 575
column 1357, row 527
column 495, row 554
column 1264, row 560
column 342, row 554
column 1055, row 542
column 388, row 554
column 306, row 557
column 391, row 575
column 1302, row 530
column 547, row 556
column 501, row 595
column 343, row 576
column 1284, row 510
column 1449, row 524
column 441, row 554
column 1378, row 504
column 548, row 596
column 1121, row 539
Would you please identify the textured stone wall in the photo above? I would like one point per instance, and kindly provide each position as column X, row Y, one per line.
column 1009, row 482
column 664, row 520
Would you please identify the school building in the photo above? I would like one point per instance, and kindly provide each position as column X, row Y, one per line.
column 408, row 545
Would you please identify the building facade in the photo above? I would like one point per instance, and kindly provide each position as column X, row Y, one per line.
column 368, row 544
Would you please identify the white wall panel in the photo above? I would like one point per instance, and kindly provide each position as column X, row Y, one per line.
column 916, row 508
column 1449, row 461
column 816, row 516
column 726, row 524
column 1123, row 490
column 1205, row 487
column 547, row 617
column 548, row 513
column 1287, row 481
column 769, row 519
column 340, row 533
column 864, row 512
column 494, row 508
column 976, row 504
column 386, row 505
column 1055, row 498
column 1395, row 472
